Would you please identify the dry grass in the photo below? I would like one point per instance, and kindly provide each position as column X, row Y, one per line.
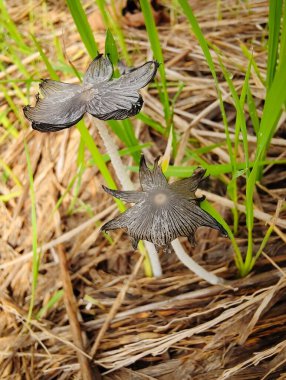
column 172, row 327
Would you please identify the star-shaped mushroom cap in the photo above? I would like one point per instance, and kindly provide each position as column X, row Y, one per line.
column 162, row 211
column 62, row 105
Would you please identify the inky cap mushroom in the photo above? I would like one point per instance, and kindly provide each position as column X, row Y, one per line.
column 162, row 211
column 61, row 105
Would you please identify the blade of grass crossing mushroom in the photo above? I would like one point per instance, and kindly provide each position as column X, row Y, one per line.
column 110, row 48
column 214, row 169
column 127, row 128
column 85, row 31
column 36, row 255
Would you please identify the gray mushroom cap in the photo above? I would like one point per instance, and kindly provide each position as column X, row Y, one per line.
column 162, row 211
column 61, row 105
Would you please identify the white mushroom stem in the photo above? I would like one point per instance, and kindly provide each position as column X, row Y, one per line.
column 116, row 161
column 126, row 184
column 193, row 266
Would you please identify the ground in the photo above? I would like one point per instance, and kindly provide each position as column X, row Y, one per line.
column 132, row 326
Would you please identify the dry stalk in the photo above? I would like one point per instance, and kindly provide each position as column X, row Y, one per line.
column 71, row 306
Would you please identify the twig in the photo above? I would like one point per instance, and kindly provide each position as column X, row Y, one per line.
column 71, row 307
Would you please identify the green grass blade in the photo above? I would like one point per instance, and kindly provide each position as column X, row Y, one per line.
column 13, row 106
column 241, row 125
column 36, row 256
column 249, row 55
column 253, row 111
column 232, row 191
column 52, row 301
column 283, row 37
column 158, row 55
column 151, row 123
column 205, row 205
column 112, row 23
column 110, row 48
column 83, row 26
column 9, row 196
column 11, row 28
column 131, row 138
column 214, row 170
column 125, row 131
column 274, row 101
column 275, row 12
column 238, row 103
column 10, row 174
column 204, row 46
column 45, row 59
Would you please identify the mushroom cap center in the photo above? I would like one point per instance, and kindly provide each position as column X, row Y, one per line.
column 160, row 199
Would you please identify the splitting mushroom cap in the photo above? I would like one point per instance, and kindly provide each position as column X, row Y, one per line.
column 61, row 105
